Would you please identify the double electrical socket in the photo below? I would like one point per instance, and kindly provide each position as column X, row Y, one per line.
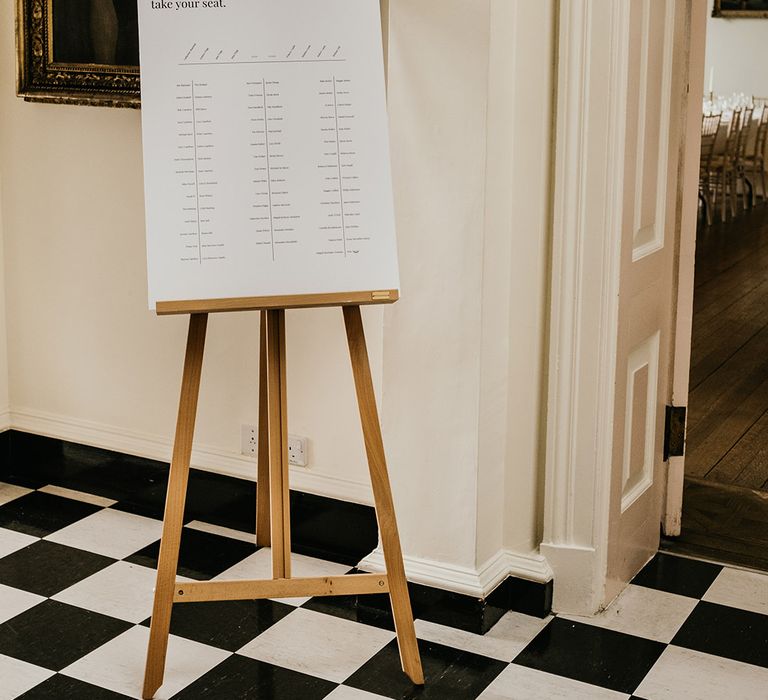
column 297, row 445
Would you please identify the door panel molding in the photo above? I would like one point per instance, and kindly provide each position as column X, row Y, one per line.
column 640, row 426
column 655, row 74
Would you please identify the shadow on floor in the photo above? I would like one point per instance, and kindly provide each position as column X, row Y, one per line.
column 727, row 524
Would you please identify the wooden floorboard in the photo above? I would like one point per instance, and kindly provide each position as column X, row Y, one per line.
column 723, row 523
column 738, row 311
column 727, row 440
column 722, row 246
column 725, row 499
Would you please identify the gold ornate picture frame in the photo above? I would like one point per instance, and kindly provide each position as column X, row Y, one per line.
column 736, row 9
column 82, row 52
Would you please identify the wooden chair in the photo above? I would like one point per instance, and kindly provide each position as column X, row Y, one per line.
column 738, row 172
column 754, row 161
column 707, row 190
column 724, row 166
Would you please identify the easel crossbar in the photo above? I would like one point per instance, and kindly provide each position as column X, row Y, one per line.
column 207, row 591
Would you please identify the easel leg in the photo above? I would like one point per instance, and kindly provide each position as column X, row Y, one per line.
column 173, row 519
column 263, row 538
column 382, row 493
column 277, row 399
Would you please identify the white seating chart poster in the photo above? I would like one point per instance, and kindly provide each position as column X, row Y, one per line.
column 266, row 153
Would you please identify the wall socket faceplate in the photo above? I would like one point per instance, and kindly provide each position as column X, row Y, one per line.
column 297, row 445
column 297, row 451
column 249, row 440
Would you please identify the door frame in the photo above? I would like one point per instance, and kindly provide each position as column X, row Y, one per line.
column 588, row 194
column 686, row 221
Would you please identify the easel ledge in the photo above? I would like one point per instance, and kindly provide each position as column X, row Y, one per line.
column 291, row 301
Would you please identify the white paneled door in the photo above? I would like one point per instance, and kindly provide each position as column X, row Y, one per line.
column 624, row 215
column 646, row 285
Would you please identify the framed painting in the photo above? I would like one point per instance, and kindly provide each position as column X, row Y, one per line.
column 78, row 52
column 740, row 8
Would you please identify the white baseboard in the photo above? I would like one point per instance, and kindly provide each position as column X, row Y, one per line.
column 478, row 583
column 5, row 419
column 155, row 447
column 575, row 567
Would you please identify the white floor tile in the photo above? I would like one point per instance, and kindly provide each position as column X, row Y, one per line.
column 344, row 692
column 119, row 664
column 259, row 566
column 319, row 645
column 643, row 612
column 14, row 602
column 747, row 590
column 683, row 673
column 10, row 492
column 110, row 532
column 520, row 683
column 508, row 637
column 12, row 541
column 18, row 677
column 78, row 496
column 122, row 590
column 223, row 531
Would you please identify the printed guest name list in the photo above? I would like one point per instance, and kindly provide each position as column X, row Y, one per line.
column 265, row 148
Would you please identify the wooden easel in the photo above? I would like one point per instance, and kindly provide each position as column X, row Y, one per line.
column 273, row 514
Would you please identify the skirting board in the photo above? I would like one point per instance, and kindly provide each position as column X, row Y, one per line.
column 323, row 527
column 474, row 600
column 465, row 581
column 576, row 565
column 157, row 448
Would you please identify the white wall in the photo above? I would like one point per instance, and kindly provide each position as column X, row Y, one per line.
column 4, row 398
column 470, row 105
column 458, row 362
column 89, row 362
column 737, row 49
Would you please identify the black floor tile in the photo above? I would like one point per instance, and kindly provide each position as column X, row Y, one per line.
column 60, row 687
column 31, row 459
column 227, row 625
column 111, row 474
column 146, row 509
column 54, row 635
column 212, row 498
column 442, row 607
column 350, row 607
column 5, row 453
column 40, row 514
column 723, row 631
column 449, row 673
column 28, row 481
column 201, row 556
column 46, row 568
column 592, row 655
column 350, row 527
column 221, row 500
column 672, row 574
column 240, row 678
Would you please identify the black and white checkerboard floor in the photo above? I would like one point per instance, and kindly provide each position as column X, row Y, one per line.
column 76, row 579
